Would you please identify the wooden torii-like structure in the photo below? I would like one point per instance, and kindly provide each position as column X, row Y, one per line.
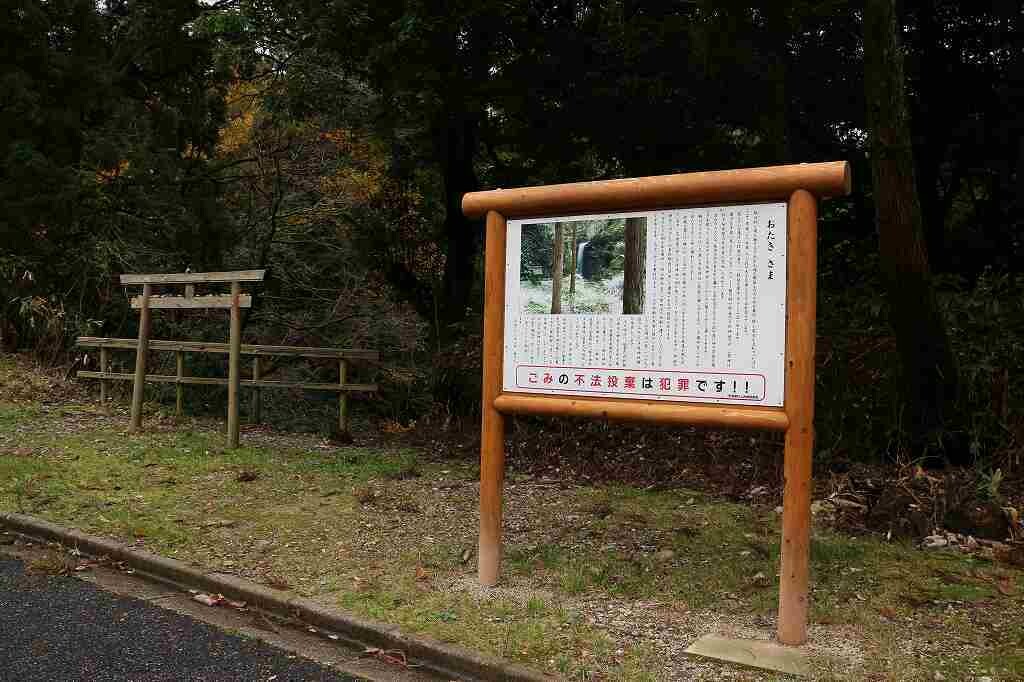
column 234, row 301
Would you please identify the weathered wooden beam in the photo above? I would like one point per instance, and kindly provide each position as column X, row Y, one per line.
column 179, row 398
column 104, row 366
column 141, row 349
column 310, row 352
column 195, row 302
column 155, row 378
column 189, row 277
column 222, row 381
column 257, row 396
column 216, row 347
column 233, row 363
column 348, row 388
column 342, row 398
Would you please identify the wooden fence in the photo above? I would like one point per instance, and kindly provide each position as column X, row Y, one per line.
column 257, row 382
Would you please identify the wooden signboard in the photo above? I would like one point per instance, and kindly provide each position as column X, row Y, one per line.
column 684, row 299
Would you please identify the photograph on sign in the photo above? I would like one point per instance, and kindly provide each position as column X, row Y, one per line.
column 685, row 305
column 601, row 266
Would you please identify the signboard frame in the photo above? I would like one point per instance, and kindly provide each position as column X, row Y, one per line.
column 800, row 186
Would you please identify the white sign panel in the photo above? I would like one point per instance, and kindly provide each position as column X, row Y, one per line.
column 685, row 304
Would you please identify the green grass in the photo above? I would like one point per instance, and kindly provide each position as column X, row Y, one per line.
column 377, row 532
column 718, row 549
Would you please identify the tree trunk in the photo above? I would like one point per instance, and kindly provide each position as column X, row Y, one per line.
column 930, row 371
column 572, row 265
column 634, row 272
column 933, row 128
column 776, row 116
column 557, row 269
column 461, row 234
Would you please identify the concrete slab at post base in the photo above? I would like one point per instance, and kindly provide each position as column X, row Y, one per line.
column 753, row 653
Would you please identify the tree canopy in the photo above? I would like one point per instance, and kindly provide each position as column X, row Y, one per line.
column 333, row 142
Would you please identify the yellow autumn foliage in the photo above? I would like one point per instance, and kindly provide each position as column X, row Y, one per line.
column 243, row 104
column 107, row 175
column 346, row 168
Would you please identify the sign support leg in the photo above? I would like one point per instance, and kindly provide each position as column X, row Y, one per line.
column 141, row 350
column 800, row 337
column 235, row 348
column 492, row 434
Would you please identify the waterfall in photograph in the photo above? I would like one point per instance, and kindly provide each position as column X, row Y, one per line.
column 579, row 258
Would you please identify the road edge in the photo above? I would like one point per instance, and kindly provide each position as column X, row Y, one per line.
column 445, row 659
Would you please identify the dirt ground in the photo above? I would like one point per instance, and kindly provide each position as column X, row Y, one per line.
column 611, row 570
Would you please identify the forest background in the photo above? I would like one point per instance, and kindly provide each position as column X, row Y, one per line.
column 331, row 142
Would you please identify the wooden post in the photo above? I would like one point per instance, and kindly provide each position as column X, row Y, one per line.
column 799, row 402
column 492, row 434
column 104, row 363
column 235, row 343
column 257, row 397
column 342, row 397
column 179, row 372
column 179, row 361
column 141, row 350
column 190, row 291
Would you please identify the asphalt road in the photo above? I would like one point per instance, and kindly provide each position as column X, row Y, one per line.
column 62, row 628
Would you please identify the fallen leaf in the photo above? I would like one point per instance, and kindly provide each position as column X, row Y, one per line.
column 209, row 599
column 278, row 583
column 392, row 656
column 217, row 523
column 759, row 580
column 1005, row 586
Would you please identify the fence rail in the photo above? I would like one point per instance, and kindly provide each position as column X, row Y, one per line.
column 257, row 383
column 216, row 347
